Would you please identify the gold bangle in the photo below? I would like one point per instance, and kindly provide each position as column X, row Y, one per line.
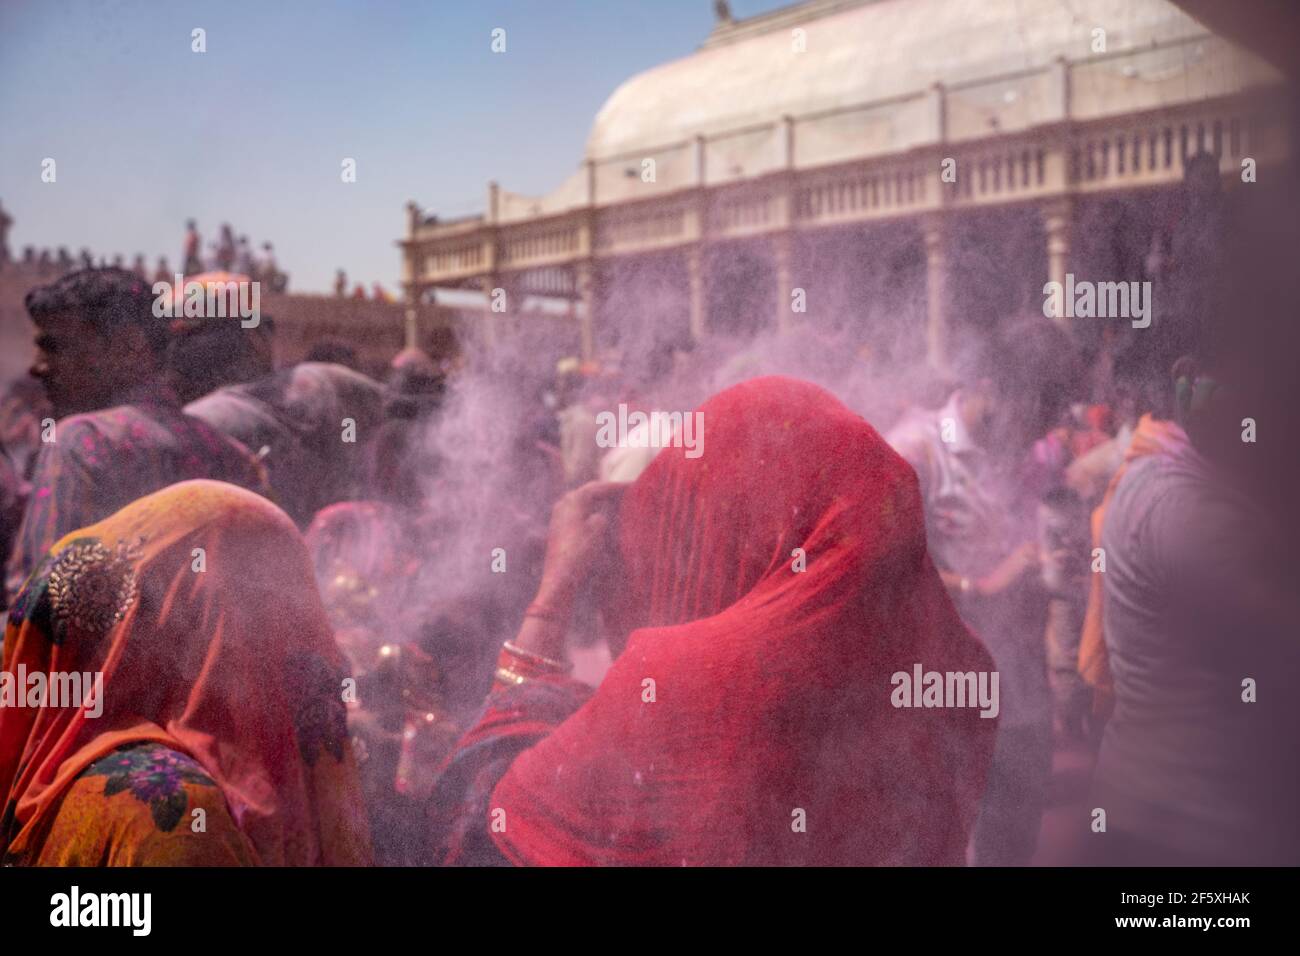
column 562, row 667
column 506, row 676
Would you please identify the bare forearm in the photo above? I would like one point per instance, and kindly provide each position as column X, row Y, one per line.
column 543, row 636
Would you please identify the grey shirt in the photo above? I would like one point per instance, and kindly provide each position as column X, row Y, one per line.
column 1179, row 761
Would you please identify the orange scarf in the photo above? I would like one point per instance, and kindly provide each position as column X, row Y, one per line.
column 1153, row 436
column 199, row 607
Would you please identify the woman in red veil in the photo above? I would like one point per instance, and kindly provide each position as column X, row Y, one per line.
column 768, row 589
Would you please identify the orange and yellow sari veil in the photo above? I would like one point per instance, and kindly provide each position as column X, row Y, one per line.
column 198, row 606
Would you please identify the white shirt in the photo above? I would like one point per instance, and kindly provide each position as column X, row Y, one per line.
column 972, row 516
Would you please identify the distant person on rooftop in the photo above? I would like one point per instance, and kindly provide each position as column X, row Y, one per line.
column 190, row 252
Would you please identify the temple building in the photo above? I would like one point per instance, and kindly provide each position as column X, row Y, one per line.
column 873, row 155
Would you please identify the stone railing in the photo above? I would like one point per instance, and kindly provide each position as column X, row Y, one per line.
column 1115, row 121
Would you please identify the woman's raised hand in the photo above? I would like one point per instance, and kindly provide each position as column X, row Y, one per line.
column 577, row 535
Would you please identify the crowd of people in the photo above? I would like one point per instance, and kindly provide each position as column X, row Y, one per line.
column 377, row 292
column 228, row 254
column 237, row 554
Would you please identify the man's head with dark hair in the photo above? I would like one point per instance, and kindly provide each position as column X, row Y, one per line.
column 334, row 350
column 1143, row 381
column 97, row 338
column 1201, row 176
column 398, row 466
column 1018, row 382
column 1236, row 383
column 415, row 384
column 220, row 352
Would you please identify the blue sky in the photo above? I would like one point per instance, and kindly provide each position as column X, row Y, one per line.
column 146, row 133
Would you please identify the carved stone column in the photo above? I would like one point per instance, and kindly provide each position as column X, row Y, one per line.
column 695, row 275
column 934, row 232
column 1058, row 217
column 584, row 281
column 782, row 253
column 488, row 283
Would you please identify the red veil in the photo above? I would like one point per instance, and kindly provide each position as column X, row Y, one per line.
column 771, row 738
